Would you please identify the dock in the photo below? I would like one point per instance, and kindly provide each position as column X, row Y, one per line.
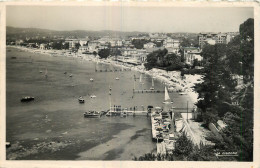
column 119, row 110
column 130, row 113
column 151, row 91
column 110, row 70
column 163, row 131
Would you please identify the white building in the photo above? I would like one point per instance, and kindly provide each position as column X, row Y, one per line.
column 190, row 54
column 72, row 42
column 171, row 43
column 149, row 45
column 43, row 46
column 213, row 38
column 83, row 49
column 93, row 46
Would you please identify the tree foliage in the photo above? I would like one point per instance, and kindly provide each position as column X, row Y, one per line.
column 247, row 48
column 163, row 59
column 139, row 43
column 104, row 53
column 218, row 91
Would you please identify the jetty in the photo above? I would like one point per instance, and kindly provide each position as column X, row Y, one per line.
column 112, row 70
column 118, row 110
column 163, row 130
column 151, row 91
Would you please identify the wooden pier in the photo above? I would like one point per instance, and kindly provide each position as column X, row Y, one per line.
column 151, row 91
column 129, row 113
column 112, row 70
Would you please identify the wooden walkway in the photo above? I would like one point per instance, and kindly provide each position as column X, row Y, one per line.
column 130, row 112
column 151, row 91
column 111, row 70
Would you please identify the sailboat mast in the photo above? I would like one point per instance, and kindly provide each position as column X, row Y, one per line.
column 166, row 96
column 134, row 82
column 110, row 97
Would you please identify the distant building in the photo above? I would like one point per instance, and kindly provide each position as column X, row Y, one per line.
column 116, row 43
column 174, row 50
column 72, row 42
column 149, row 45
column 190, row 54
column 140, row 38
column 19, row 42
column 93, row 46
column 83, row 42
column 43, row 46
column 213, row 38
column 128, row 51
column 171, row 43
column 83, row 49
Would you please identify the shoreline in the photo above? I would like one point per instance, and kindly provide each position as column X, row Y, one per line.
column 172, row 79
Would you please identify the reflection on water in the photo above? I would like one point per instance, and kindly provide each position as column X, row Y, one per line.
column 56, row 117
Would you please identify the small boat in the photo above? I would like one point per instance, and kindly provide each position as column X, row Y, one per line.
column 117, row 78
column 167, row 99
column 7, row 144
column 91, row 79
column 81, row 100
column 27, row 99
column 92, row 114
column 93, row 96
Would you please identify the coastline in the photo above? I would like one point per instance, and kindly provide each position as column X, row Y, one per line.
column 171, row 79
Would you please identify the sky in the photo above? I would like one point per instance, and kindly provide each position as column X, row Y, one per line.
column 143, row 19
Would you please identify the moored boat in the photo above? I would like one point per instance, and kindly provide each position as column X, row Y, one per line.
column 167, row 99
column 27, row 99
column 81, row 100
column 93, row 96
column 7, row 144
column 92, row 114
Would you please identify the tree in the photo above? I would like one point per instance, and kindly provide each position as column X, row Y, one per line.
column 183, row 146
column 247, row 48
column 139, row 43
column 186, row 42
column 218, row 87
column 234, row 56
column 195, row 63
column 66, row 46
column 77, row 45
column 154, row 59
column 104, row 53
